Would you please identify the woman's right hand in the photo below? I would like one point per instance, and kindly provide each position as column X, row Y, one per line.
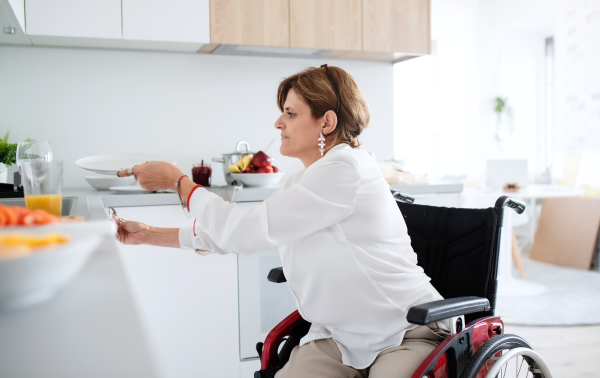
column 154, row 175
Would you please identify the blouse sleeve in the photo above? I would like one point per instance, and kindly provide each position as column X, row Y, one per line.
column 322, row 197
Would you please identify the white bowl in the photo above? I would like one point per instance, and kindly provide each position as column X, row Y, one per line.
column 36, row 277
column 258, row 179
column 105, row 182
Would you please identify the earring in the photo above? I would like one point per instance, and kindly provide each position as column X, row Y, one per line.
column 321, row 144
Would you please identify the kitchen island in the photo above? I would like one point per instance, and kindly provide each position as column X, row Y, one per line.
column 142, row 311
column 90, row 328
column 132, row 311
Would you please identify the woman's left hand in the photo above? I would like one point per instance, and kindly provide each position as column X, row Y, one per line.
column 154, row 175
column 130, row 232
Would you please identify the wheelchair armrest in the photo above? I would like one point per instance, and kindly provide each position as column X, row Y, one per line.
column 447, row 308
column 276, row 275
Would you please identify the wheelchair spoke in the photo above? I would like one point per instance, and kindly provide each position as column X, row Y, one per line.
column 506, row 356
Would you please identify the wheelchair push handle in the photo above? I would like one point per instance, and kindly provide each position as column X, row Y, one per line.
column 510, row 202
column 402, row 197
column 513, row 203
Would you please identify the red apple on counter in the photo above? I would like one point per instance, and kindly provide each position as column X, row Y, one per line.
column 260, row 159
column 265, row 169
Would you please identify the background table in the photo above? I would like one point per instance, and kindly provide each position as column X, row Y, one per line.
column 531, row 195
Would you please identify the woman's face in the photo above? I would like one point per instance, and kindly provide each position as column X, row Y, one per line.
column 299, row 130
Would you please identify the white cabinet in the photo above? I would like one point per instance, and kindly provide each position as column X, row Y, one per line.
column 188, row 304
column 166, row 20
column 18, row 9
column 74, row 18
column 12, row 21
column 262, row 304
column 168, row 25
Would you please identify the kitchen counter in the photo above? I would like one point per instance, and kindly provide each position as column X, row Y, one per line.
column 436, row 188
column 95, row 327
column 89, row 329
column 435, row 194
column 99, row 325
column 91, row 204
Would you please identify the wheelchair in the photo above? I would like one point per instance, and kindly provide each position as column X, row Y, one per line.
column 458, row 249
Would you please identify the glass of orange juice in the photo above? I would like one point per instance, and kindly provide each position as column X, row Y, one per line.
column 42, row 184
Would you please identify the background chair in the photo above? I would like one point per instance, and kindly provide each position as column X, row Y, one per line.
column 458, row 249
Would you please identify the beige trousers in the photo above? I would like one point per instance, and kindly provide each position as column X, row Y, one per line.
column 323, row 359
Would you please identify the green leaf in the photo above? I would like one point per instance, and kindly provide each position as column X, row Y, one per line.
column 8, row 151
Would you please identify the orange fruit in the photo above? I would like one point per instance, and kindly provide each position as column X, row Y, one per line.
column 11, row 217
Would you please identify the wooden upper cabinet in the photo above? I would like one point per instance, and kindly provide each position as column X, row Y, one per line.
column 250, row 22
column 326, row 24
column 396, row 26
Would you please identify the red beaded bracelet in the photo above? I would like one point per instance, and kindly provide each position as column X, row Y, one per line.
column 190, row 196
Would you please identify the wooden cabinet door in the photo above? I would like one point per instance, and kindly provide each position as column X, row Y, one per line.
column 250, row 22
column 74, row 18
column 397, row 26
column 166, row 20
column 326, row 24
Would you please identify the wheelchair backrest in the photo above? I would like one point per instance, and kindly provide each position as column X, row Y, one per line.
column 457, row 248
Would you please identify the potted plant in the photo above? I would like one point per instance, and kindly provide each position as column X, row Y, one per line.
column 8, row 156
column 504, row 120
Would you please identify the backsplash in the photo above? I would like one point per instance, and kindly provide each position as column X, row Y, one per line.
column 190, row 107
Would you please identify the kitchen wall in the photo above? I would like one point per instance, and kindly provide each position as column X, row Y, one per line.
column 577, row 99
column 485, row 48
column 444, row 102
column 186, row 106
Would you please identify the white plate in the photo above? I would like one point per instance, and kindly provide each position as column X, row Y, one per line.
column 129, row 189
column 104, row 182
column 111, row 164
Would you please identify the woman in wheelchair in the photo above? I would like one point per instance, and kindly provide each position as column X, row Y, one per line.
column 344, row 245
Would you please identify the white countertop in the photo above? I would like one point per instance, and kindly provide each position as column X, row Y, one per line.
column 92, row 328
column 89, row 329
column 437, row 188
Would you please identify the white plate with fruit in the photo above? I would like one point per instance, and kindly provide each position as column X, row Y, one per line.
column 256, row 171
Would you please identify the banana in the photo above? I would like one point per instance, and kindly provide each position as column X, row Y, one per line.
column 245, row 162
column 234, row 169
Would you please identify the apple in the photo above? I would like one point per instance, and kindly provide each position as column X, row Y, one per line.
column 275, row 169
column 265, row 169
column 260, row 159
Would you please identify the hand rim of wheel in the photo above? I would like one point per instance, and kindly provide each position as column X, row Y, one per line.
column 516, row 352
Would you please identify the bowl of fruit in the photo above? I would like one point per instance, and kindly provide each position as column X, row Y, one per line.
column 256, row 171
column 41, row 253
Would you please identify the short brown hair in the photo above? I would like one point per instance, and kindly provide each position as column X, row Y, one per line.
column 314, row 86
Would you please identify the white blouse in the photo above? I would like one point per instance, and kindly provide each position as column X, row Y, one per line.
column 344, row 246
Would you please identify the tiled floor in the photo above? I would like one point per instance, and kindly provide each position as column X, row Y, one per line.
column 569, row 351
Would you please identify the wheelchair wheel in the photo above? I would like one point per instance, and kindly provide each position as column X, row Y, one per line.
column 506, row 356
